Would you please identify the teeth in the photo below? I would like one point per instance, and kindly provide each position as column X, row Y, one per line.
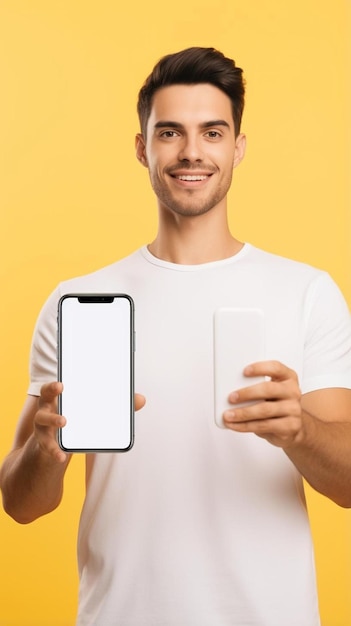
column 191, row 178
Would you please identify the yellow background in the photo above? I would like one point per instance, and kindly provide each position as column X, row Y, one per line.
column 73, row 198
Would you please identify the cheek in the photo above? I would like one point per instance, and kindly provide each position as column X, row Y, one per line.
column 157, row 164
column 154, row 169
column 228, row 166
column 155, row 174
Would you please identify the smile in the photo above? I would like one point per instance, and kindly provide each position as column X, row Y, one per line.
column 191, row 178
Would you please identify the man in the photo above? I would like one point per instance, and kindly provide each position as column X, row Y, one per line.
column 196, row 525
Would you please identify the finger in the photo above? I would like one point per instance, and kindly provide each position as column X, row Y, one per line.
column 46, row 424
column 50, row 447
column 278, row 432
column 274, row 369
column 262, row 411
column 139, row 401
column 47, row 419
column 266, row 391
column 49, row 392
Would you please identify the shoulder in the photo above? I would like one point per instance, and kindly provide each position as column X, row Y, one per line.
column 111, row 277
column 301, row 283
column 286, row 273
column 280, row 263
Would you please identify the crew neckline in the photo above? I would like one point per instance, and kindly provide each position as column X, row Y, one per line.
column 178, row 267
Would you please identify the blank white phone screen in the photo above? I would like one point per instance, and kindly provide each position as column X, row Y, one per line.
column 96, row 368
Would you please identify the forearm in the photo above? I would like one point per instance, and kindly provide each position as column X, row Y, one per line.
column 31, row 482
column 322, row 455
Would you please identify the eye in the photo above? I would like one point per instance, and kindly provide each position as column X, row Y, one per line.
column 168, row 134
column 213, row 134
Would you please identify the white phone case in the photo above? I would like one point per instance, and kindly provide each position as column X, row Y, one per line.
column 239, row 340
column 96, row 366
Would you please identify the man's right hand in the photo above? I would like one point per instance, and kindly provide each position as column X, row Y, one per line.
column 47, row 420
column 31, row 476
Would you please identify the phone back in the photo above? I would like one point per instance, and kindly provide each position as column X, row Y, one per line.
column 238, row 341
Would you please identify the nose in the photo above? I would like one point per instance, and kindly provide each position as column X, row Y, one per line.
column 190, row 149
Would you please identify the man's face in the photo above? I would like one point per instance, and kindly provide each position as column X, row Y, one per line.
column 190, row 149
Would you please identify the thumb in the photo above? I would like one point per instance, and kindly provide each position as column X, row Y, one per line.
column 139, row 401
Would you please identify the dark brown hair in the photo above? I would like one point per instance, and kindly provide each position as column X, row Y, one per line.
column 190, row 67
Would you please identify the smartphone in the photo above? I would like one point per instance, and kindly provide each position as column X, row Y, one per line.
column 239, row 339
column 96, row 367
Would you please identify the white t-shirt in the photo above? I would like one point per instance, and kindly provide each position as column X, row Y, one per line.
column 197, row 525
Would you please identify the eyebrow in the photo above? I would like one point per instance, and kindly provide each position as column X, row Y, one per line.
column 177, row 125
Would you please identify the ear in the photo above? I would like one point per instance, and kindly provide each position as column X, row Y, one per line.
column 140, row 149
column 240, row 148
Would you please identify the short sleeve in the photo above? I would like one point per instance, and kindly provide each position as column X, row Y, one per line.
column 327, row 350
column 43, row 354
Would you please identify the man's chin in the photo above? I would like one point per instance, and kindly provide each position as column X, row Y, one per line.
column 189, row 210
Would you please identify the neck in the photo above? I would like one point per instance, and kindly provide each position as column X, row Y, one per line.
column 194, row 240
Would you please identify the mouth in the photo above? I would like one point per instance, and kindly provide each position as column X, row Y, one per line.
column 192, row 178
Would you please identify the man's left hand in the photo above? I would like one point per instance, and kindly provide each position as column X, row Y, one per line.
column 276, row 413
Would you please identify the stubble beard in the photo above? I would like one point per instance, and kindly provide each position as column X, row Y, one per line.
column 190, row 206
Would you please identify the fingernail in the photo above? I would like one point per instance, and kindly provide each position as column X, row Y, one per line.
column 234, row 396
column 229, row 415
